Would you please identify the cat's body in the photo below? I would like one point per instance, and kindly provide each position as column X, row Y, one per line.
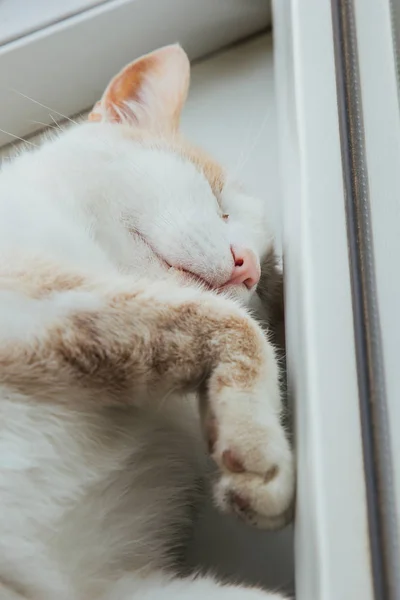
column 104, row 341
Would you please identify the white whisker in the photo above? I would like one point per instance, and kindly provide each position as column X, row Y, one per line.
column 56, row 122
column 255, row 141
column 16, row 137
column 42, row 123
column 245, row 143
column 247, row 149
column 43, row 105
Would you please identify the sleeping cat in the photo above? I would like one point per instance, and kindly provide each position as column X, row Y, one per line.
column 127, row 259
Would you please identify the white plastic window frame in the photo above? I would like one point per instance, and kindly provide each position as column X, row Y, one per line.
column 381, row 109
column 331, row 533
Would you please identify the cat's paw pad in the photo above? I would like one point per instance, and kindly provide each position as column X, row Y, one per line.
column 255, row 480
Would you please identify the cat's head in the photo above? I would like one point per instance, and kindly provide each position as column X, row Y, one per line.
column 191, row 213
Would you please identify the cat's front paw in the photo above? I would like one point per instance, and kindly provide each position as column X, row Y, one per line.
column 256, row 475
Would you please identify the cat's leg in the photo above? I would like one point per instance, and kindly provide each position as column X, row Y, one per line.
column 159, row 587
column 117, row 343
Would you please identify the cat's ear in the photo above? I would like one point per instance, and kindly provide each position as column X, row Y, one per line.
column 149, row 93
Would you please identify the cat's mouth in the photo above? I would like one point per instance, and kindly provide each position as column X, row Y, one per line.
column 226, row 288
column 230, row 287
column 188, row 275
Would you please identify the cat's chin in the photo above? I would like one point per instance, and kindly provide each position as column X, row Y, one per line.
column 240, row 293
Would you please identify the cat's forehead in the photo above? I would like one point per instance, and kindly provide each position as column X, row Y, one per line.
column 203, row 162
column 211, row 169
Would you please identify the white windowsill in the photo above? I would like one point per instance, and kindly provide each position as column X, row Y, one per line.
column 20, row 18
column 67, row 64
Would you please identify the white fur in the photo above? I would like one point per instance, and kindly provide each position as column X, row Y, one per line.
column 90, row 501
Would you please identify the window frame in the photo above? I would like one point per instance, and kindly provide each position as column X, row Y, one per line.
column 332, row 558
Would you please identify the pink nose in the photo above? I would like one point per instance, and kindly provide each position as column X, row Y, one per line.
column 247, row 268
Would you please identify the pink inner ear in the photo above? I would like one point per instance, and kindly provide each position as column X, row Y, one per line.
column 96, row 113
column 154, row 87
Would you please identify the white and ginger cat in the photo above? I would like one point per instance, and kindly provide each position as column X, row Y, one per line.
column 127, row 257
